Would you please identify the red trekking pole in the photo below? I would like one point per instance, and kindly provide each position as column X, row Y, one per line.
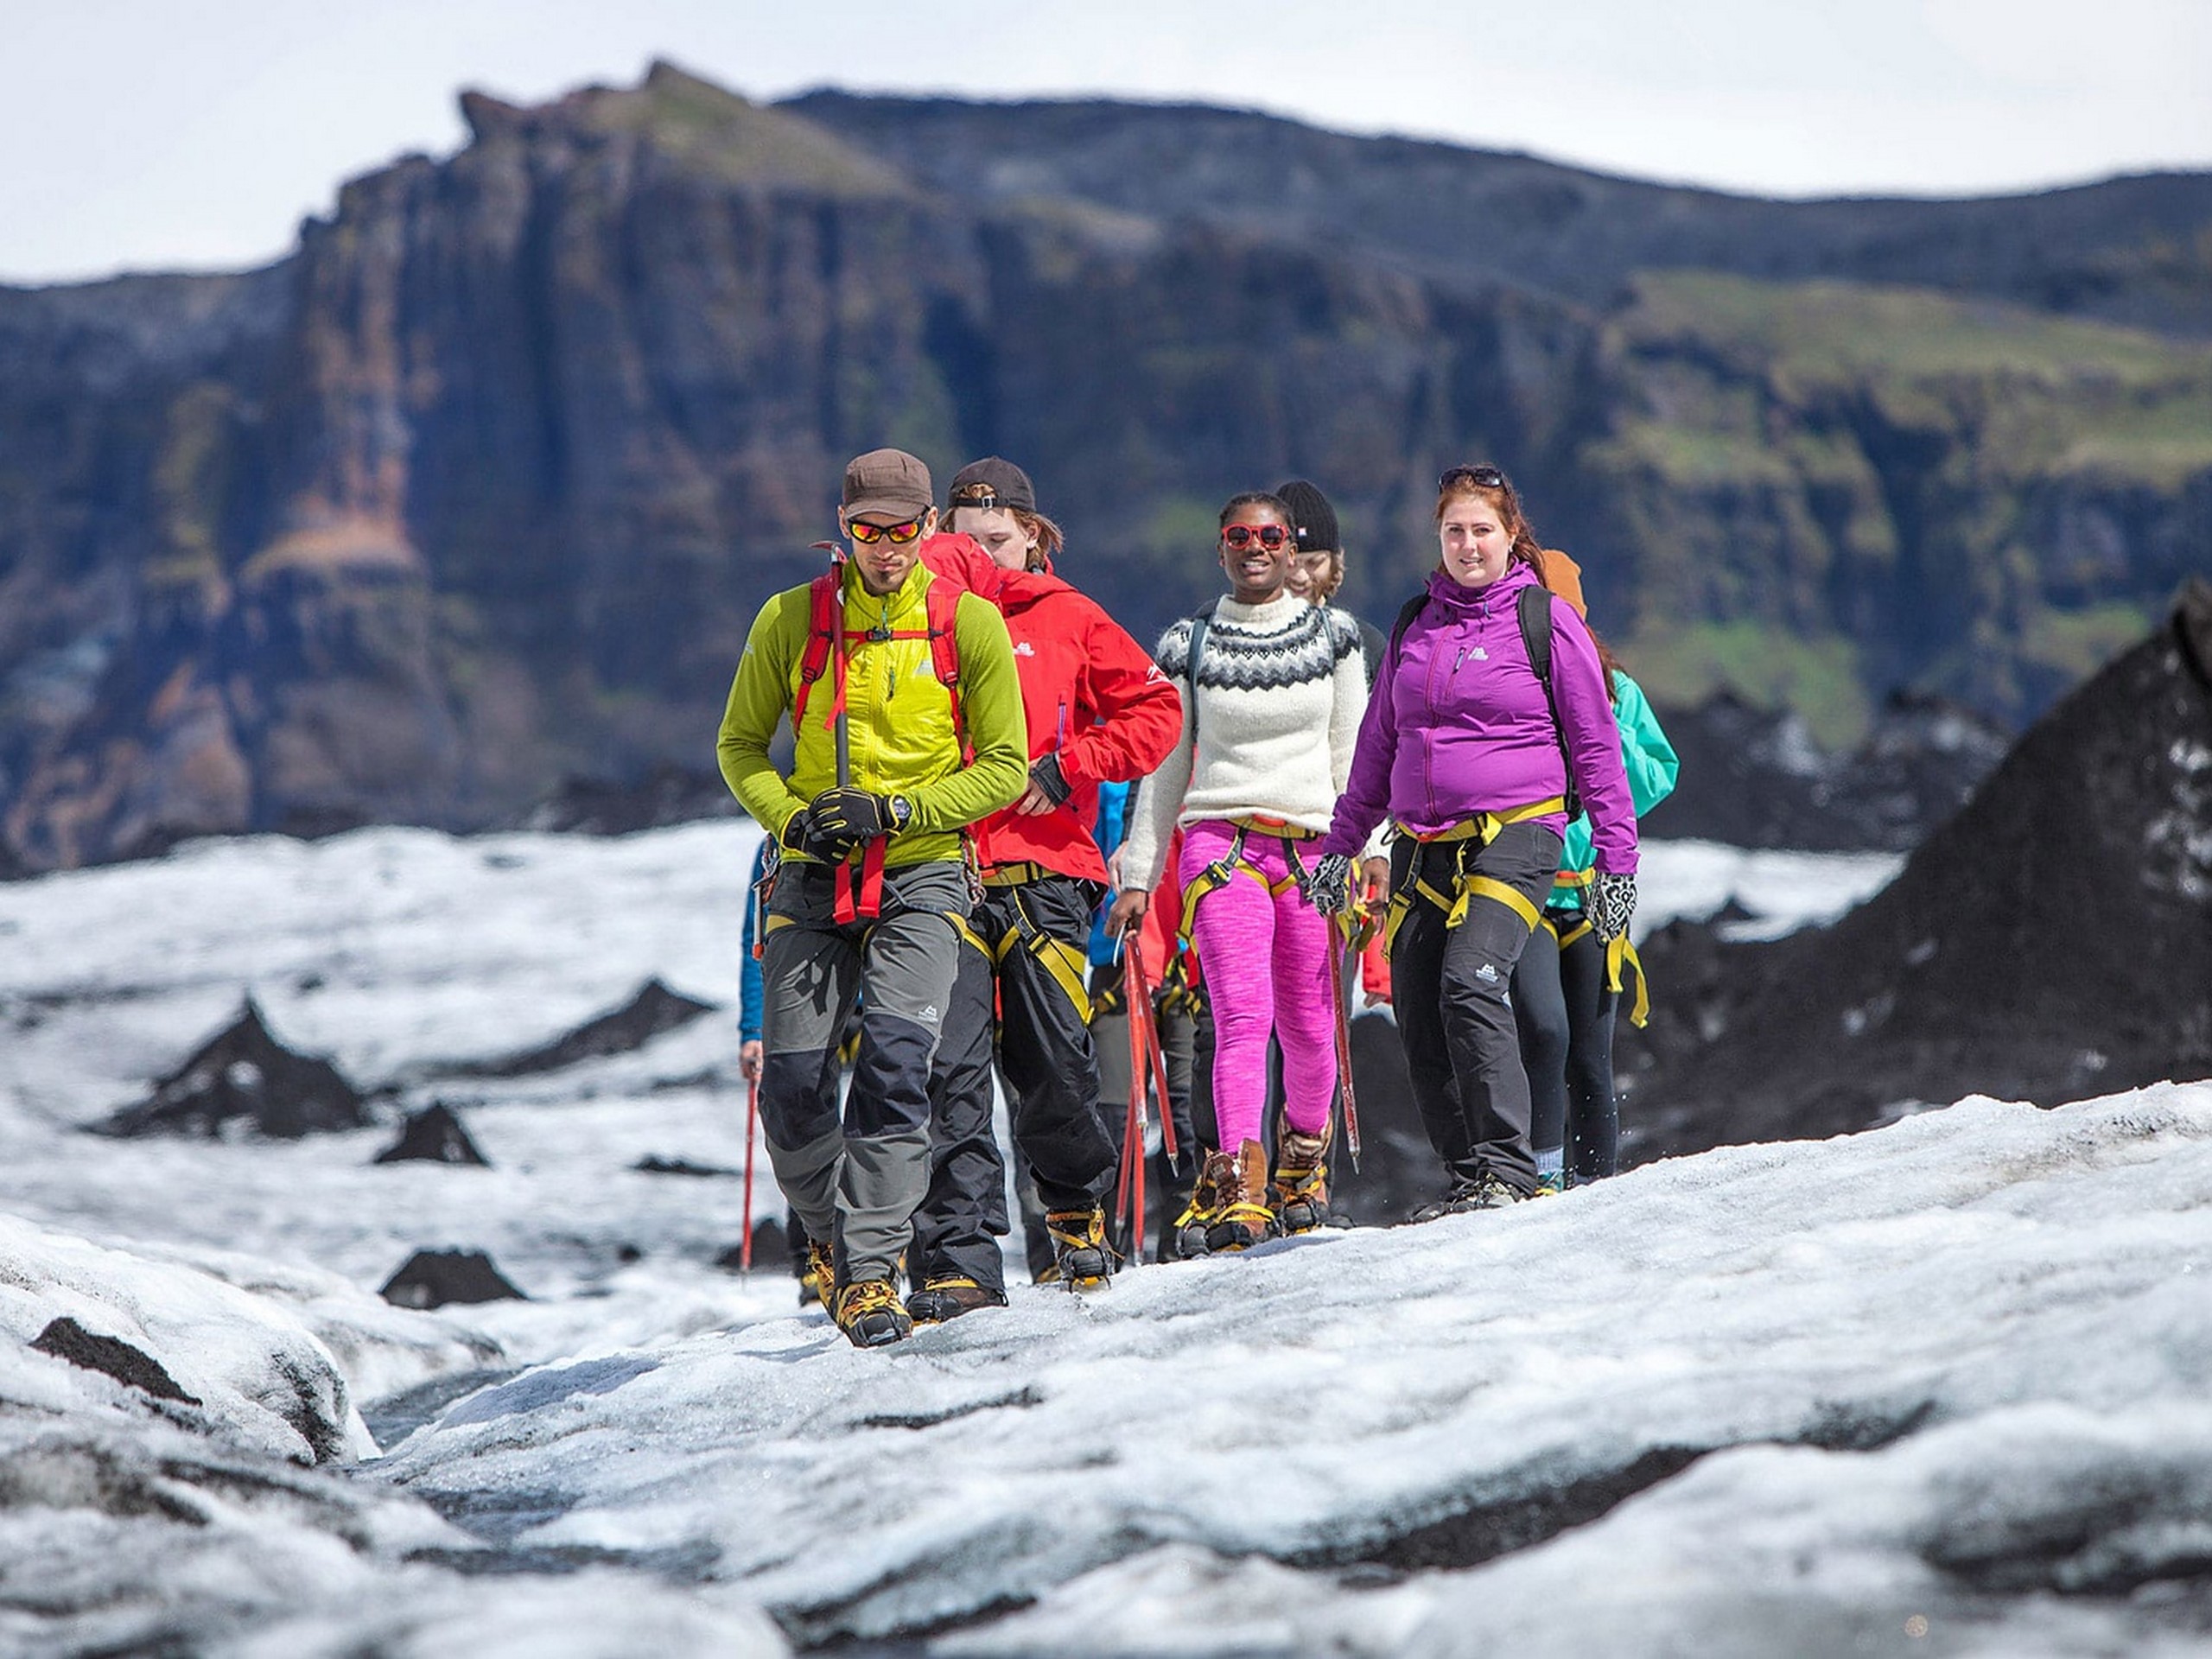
column 1136, row 992
column 751, row 1120
column 1344, row 1046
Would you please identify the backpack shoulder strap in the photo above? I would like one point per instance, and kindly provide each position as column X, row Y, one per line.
column 941, row 604
column 1201, row 619
column 1406, row 613
column 1535, row 608
column 825, row 606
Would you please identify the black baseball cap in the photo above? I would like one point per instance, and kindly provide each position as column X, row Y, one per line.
column 991, row 482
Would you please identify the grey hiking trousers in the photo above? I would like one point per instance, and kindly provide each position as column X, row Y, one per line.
column 856, row 1179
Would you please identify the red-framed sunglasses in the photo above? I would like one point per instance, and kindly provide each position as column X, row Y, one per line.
column 869, row 535
column 1237, row 538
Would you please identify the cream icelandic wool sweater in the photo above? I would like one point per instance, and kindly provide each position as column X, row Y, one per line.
column 1281, row 690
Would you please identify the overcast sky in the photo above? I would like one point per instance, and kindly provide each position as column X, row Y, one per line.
column 146, row 134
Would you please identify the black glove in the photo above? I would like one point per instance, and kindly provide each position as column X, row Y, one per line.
column 802, row 836
column 1329, row 888
column 851, row 815
column 1045, row 772
column 1612, row 901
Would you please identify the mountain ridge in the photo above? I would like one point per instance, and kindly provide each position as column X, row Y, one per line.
column 479, row 488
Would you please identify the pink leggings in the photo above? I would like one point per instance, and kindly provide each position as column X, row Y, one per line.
column 1265, row 956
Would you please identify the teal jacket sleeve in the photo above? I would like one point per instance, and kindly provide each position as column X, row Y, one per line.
column 1652, row 767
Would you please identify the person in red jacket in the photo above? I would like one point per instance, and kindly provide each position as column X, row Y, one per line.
column 1098, row 709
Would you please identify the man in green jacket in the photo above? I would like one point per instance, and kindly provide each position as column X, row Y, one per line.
column 873, row 890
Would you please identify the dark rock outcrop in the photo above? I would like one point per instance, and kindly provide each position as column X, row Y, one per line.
column 653, row 1010
column 244, row 1074
column 1756, row 777
column 133, row 1367
column 2051, row 942
column 654, row 1164
column 480, row 487
column 771, row 1249
column 433, row 1135
column 434, row 1278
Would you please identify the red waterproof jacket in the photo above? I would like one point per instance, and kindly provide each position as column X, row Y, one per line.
column 1091, row 693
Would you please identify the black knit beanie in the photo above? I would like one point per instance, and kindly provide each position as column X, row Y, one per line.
column 1312, row 516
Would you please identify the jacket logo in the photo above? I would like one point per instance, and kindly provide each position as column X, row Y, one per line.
column 1025, row 649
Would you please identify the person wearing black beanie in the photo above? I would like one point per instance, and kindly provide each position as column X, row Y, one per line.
column 1317, row 572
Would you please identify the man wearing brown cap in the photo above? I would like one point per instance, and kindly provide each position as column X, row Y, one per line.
column 907, row 717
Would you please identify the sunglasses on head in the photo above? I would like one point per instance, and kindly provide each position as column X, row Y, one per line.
column 1483, row 478
column 1240, row 537
column 869, row 535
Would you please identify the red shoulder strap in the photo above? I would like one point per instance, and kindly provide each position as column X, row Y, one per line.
column 826, row 601
column 943, row 603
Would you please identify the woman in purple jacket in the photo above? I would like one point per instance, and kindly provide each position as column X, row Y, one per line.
column 1469, row 750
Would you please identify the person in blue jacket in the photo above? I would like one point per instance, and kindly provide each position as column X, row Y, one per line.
column 1565, row 994
column 750, row 999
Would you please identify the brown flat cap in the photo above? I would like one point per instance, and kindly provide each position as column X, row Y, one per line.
column 888, row 480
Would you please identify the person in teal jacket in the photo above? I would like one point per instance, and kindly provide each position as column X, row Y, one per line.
column 1564, row 993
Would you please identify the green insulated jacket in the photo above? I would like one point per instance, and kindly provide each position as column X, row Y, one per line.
column 898, row 716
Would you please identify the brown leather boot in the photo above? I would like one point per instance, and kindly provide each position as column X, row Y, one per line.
column 1189, row 1226
column 1301, row 1188
column 1240, row 1217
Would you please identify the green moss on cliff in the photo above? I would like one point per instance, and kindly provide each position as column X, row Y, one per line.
column 1682, row 664
column 2036, row 393
column 715, row 131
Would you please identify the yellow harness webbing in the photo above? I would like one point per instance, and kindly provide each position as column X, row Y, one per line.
column 1621, row 954
column 1481, row 830
column 1224, row 869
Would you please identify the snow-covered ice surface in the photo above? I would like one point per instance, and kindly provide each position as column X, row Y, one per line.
column 1935, row 1389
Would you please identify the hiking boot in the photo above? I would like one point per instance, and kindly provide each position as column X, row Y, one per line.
column 1240, row 1218
column 1190, row 1228
column 1483, row 1191
column 1301, row 1191
column 1491, row 1192
column 948, row 1296
column 1084, row 1260
column 1550, row 1184
column 869, row 1315
column 819, row 1282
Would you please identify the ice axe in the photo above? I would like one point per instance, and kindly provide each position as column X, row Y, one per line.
column 1344, row 1046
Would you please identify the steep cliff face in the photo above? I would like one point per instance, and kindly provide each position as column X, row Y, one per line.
column 482, row 487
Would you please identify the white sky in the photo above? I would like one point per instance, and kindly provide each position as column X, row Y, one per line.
column 144, row 134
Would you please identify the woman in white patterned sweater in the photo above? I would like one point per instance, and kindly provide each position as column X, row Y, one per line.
column 1272, row 708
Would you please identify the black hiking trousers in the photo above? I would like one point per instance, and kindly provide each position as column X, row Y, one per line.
column 1021, row 979
column 1565, row 1013
column 1463, row 1053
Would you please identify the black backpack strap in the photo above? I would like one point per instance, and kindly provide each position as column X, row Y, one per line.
column 1535, row 608
column 1201, row 619
column 1407, row 612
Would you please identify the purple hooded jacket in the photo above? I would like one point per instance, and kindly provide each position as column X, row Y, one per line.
column 1458, row 724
